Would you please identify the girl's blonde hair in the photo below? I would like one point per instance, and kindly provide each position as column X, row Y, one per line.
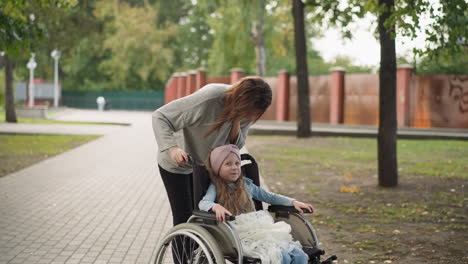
column 250, row 94
column 234, row 197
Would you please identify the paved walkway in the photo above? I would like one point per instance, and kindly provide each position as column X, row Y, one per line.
column 102, row 202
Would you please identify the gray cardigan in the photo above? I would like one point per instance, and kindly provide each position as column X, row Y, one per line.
column 184, row 122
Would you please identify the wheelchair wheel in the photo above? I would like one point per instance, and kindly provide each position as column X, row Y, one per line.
column 189, row 243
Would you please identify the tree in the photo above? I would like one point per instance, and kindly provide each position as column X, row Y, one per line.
column 303, row 111
column 401, row 18
column 139, row 53
column 10, row 114
column 194, row 37
column 18, row 33
column 78, row 34
column 232, row 44
column 279, row 38
column 386, row 138
column 259, row 39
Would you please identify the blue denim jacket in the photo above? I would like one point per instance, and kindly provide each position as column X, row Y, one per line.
column 256, row 192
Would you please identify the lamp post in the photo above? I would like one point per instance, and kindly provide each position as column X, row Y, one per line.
column 56, row 55
column 31, row 66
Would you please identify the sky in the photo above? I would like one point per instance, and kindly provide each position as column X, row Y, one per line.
column 364, row 48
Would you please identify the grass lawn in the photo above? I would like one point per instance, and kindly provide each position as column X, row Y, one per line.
column 423, row 220
column 20, row 151
column 51, row 121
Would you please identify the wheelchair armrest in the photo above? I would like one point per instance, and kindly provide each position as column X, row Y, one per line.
column 283, row 208
column 210, row 215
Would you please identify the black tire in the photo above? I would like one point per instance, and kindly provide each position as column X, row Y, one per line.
column 199, row 246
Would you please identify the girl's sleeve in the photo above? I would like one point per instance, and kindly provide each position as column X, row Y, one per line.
column 208, row 200
column 263, row 195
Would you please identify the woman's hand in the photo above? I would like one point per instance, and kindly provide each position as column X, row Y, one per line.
column 300, row 205
column 221, row 212
column 178, row 155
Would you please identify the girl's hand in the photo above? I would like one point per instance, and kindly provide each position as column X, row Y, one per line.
column 178, row 155
column 300, row 205
column 220, row 212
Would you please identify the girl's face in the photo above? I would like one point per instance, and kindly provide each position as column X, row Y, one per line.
column 231, row 168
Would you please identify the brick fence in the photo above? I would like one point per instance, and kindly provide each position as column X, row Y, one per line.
column 352, row 99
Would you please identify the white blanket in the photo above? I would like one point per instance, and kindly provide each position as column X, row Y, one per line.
column 262, row 238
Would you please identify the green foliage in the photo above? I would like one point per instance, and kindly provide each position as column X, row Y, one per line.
column 229, row 27
column 139, row 54
column 19, row 26
column 347, row 63
column 232, row 46
column 195, row 37
column 137, row 44
column 445, row 63
column 443, row 35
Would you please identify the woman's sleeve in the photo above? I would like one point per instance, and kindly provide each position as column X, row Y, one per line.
column 164, row 128
column 175, row 116
column 261, row 194
column 208, row 200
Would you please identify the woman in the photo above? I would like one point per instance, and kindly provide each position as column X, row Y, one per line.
column 215, row 115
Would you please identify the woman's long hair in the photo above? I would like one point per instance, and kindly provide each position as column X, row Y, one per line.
column 249, row 95
column 232, row 196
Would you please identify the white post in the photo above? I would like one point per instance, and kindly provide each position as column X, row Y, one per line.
column 56, row 55
column 31, row 87
column 31, row 66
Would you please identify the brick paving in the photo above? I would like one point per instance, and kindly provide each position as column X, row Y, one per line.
column 102, row 202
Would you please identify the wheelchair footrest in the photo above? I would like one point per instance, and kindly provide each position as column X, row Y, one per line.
column 317, row 252
column 329, row 260
column 251, row 260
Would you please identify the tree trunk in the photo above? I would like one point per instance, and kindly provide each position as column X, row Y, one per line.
column 387, row 150
column 258, row 38
column 10, row 114
column 303, row 106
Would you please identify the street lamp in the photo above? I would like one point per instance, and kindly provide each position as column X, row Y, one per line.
column 56, row 55
column 31, row 66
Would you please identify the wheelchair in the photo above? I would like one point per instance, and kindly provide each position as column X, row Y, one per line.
column 203, row 239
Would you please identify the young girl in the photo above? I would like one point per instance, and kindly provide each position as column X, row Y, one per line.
column 232, row 194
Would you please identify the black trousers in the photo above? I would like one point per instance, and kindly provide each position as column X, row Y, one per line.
column 179, row 191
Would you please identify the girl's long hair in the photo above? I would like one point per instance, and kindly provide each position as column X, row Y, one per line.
column 249, row 95
column 236, row 199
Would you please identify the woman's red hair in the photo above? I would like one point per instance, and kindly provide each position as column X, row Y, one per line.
column 247, row 96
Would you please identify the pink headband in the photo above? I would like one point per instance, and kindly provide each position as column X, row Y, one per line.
column 219, row 154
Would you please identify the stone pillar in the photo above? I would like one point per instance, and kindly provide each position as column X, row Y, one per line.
column 404, row 73
column 200, row 78
column 282, row 98
column 191, row 82
column 337, row 95
column 170, row 91
column 181, row 85
column 236, row 74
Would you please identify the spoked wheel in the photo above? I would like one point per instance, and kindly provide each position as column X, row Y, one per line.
column 189, row 244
